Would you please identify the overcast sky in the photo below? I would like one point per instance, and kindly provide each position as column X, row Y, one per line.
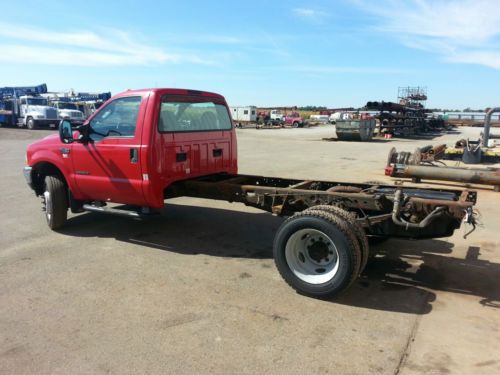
column 331, row 53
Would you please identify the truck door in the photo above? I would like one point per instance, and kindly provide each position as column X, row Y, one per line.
column 22, row 107
column 108, row 168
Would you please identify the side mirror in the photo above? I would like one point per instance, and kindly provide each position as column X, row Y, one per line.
column 65, row 132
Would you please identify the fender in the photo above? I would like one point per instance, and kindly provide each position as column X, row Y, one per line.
column 64, row 165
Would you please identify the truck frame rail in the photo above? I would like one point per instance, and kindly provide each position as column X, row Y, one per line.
column 384, row 210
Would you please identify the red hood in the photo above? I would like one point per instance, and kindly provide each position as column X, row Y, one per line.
column 47, row 142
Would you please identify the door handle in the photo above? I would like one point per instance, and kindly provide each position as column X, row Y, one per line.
column 134, row 156
column 217, row 152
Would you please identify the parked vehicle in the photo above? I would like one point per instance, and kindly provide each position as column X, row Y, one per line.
column 35, row 111
column 144, row 146
column 334, row 117
column 244, row 114
column 249, row 117
column 294, row 119
column 25, row 107
column 68, row 111
column 88, row 103
column 85, row 102
column 323, row 119
column 276, row 114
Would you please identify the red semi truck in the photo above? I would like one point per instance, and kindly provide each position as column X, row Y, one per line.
column 145, row 146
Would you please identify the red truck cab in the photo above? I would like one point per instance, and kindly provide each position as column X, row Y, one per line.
column 136, row 145
column 294, row 119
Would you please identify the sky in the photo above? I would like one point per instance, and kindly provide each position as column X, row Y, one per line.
column 267, row 53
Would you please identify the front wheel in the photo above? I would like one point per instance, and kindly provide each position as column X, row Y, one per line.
column 316, row 253
column 30, row 123
column 55, row 202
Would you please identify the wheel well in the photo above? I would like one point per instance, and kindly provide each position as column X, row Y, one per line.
column 40, row 171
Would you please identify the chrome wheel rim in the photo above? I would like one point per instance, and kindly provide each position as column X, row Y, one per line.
column 312, row 256
column 47, row 202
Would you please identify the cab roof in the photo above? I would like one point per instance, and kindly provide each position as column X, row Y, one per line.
column 171, row 91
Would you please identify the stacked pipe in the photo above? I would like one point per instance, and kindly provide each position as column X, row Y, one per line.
column 408, row 165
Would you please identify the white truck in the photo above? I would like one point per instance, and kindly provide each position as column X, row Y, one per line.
column 276, row 114
column 84, row 102
column 68, row 111
column 35, row 111
column 24, row 106
column 334, row 117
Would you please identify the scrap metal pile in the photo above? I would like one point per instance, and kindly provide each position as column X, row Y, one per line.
column 423, row 164
column 483, row 150
column 407, row 117
column 396, row 118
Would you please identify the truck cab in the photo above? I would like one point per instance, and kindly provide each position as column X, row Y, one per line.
column 88, row 107
column 294, row 119
column 135, row 147
column 35, row 111
column 276, row 114
column 68, row 111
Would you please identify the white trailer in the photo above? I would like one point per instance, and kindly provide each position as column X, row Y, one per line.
column 323, row 119
column 244, row 114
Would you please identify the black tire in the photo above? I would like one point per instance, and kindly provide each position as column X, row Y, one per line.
column 318, row 283
column 55, row 201
column 30, row 123
column 358, row 230
column 295, row 124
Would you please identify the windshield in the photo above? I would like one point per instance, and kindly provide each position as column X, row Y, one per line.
column 193, row 116
column 37, row 101
column 64, row 105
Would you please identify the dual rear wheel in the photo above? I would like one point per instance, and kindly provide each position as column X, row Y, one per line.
column 320, row 252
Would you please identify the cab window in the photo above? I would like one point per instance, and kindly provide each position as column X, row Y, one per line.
column 193, row 116
column 117, row 119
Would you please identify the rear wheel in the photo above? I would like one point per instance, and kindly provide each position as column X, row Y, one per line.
column 55, row 202
column 356, row 228
column 316, row 253
column 295, row 124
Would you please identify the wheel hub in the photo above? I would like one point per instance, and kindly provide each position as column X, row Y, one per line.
column 312, row 256
column 318, row 250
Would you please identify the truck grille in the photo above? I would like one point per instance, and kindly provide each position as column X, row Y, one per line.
column 51, row 113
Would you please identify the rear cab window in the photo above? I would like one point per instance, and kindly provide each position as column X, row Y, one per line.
column 192, row 115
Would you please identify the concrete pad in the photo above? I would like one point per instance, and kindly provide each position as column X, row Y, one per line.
column 196, row 291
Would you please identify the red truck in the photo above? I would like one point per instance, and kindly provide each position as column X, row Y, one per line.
column 144, row 146
column 294, row 119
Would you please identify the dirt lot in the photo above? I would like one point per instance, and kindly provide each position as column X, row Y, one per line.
column 196, row 290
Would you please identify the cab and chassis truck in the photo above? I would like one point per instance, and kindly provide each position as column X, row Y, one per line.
column 145, row 146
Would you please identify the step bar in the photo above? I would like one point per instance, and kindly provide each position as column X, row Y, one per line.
column 111, row 211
